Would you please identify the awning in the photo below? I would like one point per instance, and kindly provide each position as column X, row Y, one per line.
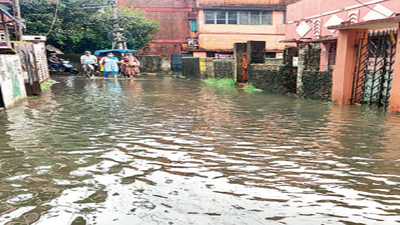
column 370, row 25
column 11, row 17
column 115, row 51
column 322, row 39
column 51, row 48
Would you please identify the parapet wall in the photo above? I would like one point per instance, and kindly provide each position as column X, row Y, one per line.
column 267, row 78
column 12, row 86
column 224, row 68
column 154, row 64
column 317, row 85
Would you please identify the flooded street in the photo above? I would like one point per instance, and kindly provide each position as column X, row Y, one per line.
column 163, row 150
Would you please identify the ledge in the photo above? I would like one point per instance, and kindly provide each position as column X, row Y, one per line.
column 370, row 25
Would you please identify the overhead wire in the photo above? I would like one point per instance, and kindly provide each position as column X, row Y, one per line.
column 54, row 19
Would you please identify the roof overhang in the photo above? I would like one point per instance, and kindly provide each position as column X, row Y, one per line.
column 323, row 39
column 255, row 7
column 3, row 11
column 370, row 25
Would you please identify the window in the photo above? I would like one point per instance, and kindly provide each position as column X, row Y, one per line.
column 238, row 17
column 243, row 17
column 255, row 18
column 284, row 17
column 232, row 17
column 266, row 18
column 221, row 17
column 209, row 16
column 193, row 25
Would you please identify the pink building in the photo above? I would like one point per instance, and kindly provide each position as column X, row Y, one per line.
column 308, row 20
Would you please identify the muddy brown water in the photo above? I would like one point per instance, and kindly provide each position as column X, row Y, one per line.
column 163, row 150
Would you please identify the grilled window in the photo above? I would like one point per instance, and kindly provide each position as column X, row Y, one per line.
column 238, row 17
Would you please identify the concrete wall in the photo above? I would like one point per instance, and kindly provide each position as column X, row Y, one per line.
column 224, row 68
column 41, row 61
column 317, row 85
column 154, row 64
column 197, row 68
column 267, row 77
column 11, row 80
column 191, row 67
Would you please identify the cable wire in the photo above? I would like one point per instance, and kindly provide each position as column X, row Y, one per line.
column 54, row 19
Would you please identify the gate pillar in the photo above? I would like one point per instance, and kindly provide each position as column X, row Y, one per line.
column 394, row 101
column 238, row 50
column 342, row 77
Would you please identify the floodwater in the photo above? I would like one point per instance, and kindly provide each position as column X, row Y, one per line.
column 163, row 150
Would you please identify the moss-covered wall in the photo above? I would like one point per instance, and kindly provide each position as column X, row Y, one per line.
column 154, row 64
column 267, row 77
column 289, row 72
column 224, row 68
column 317, row 85
column 191, row 67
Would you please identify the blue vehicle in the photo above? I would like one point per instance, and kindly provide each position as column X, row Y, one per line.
column 65, row 66
column 118, row 53
column 114, row 51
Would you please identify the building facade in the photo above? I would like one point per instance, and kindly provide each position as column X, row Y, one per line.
column 174, row 23
column 308, row 21
column 210, row 28
column 220, row 24
column 356, row 42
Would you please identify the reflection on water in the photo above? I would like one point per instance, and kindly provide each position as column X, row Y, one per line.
column 159, row 150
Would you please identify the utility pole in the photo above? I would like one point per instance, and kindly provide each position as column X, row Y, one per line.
column 114, row 5
column 17, row 15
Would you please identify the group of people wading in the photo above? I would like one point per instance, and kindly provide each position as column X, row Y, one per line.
column 109, row 64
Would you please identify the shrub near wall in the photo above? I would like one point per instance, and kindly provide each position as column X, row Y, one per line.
column 267, row 78
column 317, row 85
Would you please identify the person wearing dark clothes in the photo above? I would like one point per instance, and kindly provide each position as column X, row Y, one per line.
column 54, row 62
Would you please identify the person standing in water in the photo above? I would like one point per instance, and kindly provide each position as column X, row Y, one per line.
column 110, row 65
column 131, row 64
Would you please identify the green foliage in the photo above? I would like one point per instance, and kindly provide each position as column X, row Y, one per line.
column 224, row 82
column 250, row 88
column 48, row 83
column 83, row 24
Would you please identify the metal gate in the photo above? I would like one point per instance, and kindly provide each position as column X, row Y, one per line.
column 374, row 68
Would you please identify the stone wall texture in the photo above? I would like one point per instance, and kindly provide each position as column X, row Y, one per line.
column 224, row 68
column 191, row 67
column 267, row 77
column 317, row 85
column 154, row 64
column 289, row 71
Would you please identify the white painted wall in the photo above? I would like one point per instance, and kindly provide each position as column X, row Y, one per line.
column 11, row 80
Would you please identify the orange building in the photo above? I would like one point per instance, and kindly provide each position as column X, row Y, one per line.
column 217, row 25
column 174, row 23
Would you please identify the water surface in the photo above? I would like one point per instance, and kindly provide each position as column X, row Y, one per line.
column 162, row 150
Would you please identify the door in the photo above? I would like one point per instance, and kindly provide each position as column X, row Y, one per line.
column 374, row 68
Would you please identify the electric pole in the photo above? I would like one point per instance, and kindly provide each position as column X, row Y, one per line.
column 114, row 5
column 17, row 15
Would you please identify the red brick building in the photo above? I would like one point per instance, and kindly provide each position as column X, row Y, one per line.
column 174, row 23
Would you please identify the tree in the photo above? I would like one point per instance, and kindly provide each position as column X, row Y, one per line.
column 75, row 26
